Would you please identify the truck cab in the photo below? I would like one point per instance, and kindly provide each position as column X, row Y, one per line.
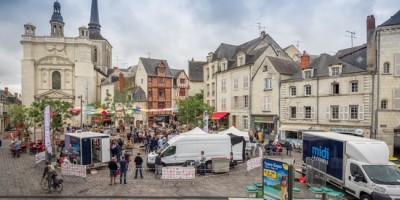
column 367, row 181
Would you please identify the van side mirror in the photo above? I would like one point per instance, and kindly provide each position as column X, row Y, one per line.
column 358, row 178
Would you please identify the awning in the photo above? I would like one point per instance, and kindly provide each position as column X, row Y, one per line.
column 219, row 115
column 294, row 128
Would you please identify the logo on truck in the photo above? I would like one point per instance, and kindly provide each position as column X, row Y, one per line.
column 320, row 153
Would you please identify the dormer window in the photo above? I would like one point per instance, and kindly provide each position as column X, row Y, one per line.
column 307, row 74
column 223, row 66
column 240, row 60
column 335, row 70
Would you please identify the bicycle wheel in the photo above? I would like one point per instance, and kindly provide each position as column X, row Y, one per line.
column 44, row 184
column 59, row 187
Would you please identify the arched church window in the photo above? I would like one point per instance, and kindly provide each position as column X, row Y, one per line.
column 56, row 80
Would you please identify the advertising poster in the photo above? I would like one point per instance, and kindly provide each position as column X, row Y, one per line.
column 275, row 179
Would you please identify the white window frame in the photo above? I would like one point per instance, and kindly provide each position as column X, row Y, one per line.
column 353, row 89
column 236, row 83
column 335, row 71
column 307, row 74
column 246, row 82
column 246, row 101
column 292, row 91
column 267, row 84
column 333, row 88
column 386, row 68
column 396, row 99
column 396, row 68
column 307, row 112
column 330, row 112
column 267, row 104
column 291, row 113
column 354, row 112
column 384, row 104
column 245, row 122
column 241, row 60
column 305, row 90
column 223, row 85
column 223, row 104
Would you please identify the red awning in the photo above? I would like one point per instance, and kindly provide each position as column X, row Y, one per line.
column 219, row 115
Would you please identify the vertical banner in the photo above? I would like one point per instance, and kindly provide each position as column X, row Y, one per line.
column 205, row 119
column 276, row 180
column 47, row 141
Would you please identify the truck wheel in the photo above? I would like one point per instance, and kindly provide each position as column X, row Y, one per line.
column 365, row 197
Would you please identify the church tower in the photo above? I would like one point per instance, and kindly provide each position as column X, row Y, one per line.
column 94, row 24
column 56, row 22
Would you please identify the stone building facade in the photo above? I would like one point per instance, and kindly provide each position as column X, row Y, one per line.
column 61, row 67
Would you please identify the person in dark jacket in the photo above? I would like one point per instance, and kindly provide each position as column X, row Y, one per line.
column 123, row 167
column 138, row 162
column 158, row 166
column 113, row 167
column 288, row 146
column 118, row 152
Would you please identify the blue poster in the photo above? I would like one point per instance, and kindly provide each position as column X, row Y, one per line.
column 275, row 179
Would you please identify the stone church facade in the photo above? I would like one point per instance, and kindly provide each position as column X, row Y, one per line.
column 64, row 68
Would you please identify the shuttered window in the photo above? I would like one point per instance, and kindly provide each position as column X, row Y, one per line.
column 397, row 64
column 396, row 99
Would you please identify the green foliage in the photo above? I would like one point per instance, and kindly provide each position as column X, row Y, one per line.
column 21, row 115
column 59, row 112
column 109, row 102
column 191, row 109
column 96, row 104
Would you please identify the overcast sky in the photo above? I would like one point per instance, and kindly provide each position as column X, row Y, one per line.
column 179, row 30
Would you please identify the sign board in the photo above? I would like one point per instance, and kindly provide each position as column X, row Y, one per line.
column 47, row 141
column 348, row 131
column 73, row 170
column 40, row 157
column 275, row 180
column 253, row 163
column 176, row 173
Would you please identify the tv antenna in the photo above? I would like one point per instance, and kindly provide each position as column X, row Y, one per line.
column 352, row 36
column 260, row 27
column 149, row 54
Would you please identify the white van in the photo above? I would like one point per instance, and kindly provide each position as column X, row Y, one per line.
column 184, row 148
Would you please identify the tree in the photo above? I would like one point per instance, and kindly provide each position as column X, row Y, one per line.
column 190, row 108
column 59, row 112
column 21, row 117
column 96, row 104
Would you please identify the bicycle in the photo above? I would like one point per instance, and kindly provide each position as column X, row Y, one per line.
column 56, row 186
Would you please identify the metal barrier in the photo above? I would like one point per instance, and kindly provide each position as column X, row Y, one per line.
column 316, row 173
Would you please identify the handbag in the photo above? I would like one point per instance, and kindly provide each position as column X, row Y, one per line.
column 118, row 171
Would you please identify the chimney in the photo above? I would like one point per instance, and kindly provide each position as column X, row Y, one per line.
column 371, row 45
column 121, row 82
column 6, row 90
column 16, row 95
column 304, row 60
column 262, row 34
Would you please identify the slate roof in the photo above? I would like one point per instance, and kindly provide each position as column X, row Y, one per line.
column 356, row 56
column 322, row 63
column 138, row 94
column 95, row 35
column 175, row 72
column 151, row 64
column 196, row 71
column 283, row 66
column 253, row 49
column 394, row 20
column 10, row 97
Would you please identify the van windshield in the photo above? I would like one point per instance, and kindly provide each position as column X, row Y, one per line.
column 383, row 174
column 162, row 148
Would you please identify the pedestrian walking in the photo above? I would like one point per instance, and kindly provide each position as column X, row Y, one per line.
column 127, row 158
column 123, row 167
column 202, row 164
column 113, row 167
column 138, row 162
column 158, row 165
column 118, row 152
column 288, row 146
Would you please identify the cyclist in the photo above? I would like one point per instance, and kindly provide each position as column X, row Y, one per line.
column 50, row 171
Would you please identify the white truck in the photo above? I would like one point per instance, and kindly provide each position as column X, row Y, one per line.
column 184, row 148
column 358, row 165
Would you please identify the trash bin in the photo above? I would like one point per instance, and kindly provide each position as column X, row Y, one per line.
column 259, row 187
column 318, row 192
column 296, row 192
column 220, row 165
column 334, row 195
column 251, row 191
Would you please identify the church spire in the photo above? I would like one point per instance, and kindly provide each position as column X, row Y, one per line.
column 57, row 22
column 94, row 24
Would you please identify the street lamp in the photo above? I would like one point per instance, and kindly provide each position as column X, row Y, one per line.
column 80, row 97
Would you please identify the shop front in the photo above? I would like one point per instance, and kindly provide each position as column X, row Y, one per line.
column 293, row 133
column 221, row 118
column 265, row 123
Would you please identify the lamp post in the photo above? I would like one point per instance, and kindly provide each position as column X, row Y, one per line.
column 80, row 97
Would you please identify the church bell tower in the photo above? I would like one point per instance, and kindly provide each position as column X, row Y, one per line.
column 56, row 22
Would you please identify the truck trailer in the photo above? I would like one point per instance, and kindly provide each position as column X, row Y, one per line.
column 360, row 166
